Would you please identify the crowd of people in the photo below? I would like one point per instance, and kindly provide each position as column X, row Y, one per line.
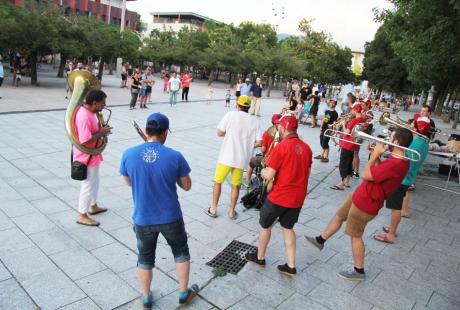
column 153, row 171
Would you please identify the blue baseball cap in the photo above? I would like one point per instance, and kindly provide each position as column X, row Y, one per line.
column 161, row 121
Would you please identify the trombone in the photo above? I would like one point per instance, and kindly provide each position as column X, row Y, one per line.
column 386, row 120
column 357, row 133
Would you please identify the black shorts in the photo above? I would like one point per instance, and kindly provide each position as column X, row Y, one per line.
column 346, row 163
column 270, row 212
column 395, row 201
column 324, row 141
column 238, row 93
column 314, row 110
column 123, row 77
column 148, row 90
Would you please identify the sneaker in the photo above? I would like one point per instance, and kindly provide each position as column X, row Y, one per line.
column 252, row 257
column 147, row 302
column 352, row 274
column 313, row 241
column 287, row 270
column 191, row 293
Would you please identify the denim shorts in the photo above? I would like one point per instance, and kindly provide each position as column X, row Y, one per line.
column 143, row 91
column 147, row 237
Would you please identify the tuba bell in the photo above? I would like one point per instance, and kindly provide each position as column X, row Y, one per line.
column 80, row 82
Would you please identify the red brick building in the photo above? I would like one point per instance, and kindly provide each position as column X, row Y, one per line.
column 108, row 11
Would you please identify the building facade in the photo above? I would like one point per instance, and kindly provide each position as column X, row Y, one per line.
column 174, row 21
column 108, row 11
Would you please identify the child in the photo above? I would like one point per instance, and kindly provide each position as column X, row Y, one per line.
column 165, row 82
column 227, row 98
column 210, row 93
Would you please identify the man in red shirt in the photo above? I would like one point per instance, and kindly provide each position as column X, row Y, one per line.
column 348, row 148
column 266, row 147
column 380, row 181
column 185, row 82
column 289, row 164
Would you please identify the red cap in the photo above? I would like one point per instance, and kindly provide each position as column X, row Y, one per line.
column 289, row 122
column 276, row 118
column 423, row 124
column 357, row 107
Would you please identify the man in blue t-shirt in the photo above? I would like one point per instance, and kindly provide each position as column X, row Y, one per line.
column 398, row 202
column 153, row 170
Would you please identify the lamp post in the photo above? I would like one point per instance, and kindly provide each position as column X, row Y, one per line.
column 122, row 28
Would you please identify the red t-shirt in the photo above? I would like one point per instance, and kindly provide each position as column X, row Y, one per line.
column 388, row 175
column 347, row 145
column 291, row 159
column 266, row 142
column 185, row 81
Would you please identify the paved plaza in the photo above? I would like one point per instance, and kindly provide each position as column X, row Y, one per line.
column 47, row 261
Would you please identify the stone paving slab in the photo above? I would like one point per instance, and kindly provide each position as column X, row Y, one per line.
column 40, row 241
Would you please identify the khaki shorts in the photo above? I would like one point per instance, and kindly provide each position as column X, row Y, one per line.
column 355, row 218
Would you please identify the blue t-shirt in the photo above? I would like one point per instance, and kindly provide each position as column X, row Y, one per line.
column 245, row 90
column 422, row 146
column 154, row 170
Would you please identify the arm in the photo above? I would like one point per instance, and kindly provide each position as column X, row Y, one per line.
column 103, row 131
column 379, row 149
column 185, row 182
column 268, row 173
column 220, row 133
column 127, row 180
column 258, row 144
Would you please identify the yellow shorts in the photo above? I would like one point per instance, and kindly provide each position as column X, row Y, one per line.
column 223, row 170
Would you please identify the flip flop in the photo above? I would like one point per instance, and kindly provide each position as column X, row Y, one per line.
column 387, row 230
column 234, row 216
column 405, row 216
column 336, row 188
column 88, row 222
column 383, row 238
column 98, row 210
column 208, row 213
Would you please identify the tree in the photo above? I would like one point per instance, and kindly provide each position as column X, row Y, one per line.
column 382, row 67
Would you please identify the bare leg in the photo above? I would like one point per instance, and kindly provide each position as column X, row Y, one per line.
column 356, row 162
column 290, row 244
column 233, row 199
column 346, row 181
column 248, row 175
column 395, row 220
column 182, row 273
column 215, row 196
column 264, row 239
column 405, row 206
column 332, row 228
column 326, row 153
column 357, row 247
column 145, row 280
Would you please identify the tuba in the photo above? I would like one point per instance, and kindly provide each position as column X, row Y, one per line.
column 80, row 82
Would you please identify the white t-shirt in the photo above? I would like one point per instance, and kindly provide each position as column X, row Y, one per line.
column 241, row 132
column 174, row 83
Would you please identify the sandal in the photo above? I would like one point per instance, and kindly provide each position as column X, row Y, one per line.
column 324, row 160
column 383, row 238
column 318, row 157
column 97, row 210
column 387, row 230
column 88, row 222
column 336, row 188
column 209, row 213
column 405, row 216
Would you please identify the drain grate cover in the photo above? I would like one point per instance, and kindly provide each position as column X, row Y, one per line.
column 231, row 259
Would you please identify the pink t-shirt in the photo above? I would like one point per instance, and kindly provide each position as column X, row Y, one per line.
column 86, row 125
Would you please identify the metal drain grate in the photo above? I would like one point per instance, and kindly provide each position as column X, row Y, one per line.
column 231, row 259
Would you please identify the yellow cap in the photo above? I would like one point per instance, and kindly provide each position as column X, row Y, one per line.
column 244, row 101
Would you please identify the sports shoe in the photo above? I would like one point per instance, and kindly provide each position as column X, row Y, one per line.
column 191, row 293
column 313, row 241
column 351, row 274
column 287, row 270
column 252, row 257
column 147, row 302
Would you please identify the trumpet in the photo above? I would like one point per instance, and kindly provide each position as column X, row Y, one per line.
column 357, row 133
column 386, row 120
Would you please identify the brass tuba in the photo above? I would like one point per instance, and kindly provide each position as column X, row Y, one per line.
column 80, row 82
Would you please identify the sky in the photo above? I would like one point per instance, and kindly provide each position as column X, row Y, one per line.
column 349, row 22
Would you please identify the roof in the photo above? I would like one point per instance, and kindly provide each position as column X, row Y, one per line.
column 190, row 15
